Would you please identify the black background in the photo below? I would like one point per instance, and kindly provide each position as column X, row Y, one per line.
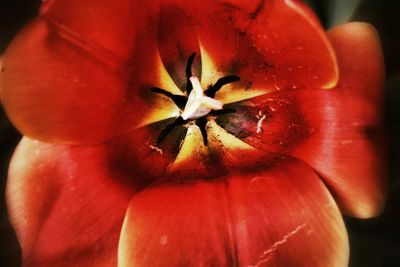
column 373, row 242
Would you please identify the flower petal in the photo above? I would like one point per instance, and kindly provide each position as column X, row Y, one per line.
column 349, row 135
column 271, row 45
column 283, row 216
column 337, row 132
column 81, row 71
column 64, row 206
column 177, row 41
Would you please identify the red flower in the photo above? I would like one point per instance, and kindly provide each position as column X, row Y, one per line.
column 249, row 172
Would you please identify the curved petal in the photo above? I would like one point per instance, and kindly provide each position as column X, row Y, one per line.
column 271, row 45
column 117, row 26
column 81, row 71
column 273, row 122
column 283, row 216
column 349, row 135
column 64, row 206
column 337, row 132
column 177, row 41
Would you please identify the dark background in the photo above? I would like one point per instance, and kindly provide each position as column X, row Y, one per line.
column 374, row 242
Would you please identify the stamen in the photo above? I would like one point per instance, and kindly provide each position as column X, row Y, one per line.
column 222, row 111
column 189, row 73
column 201, row 123
column 179, row 100
column 179, row 121
column 196, row 104
column 221, row 82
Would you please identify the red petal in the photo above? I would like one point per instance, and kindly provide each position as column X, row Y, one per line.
column 64, row 206
column 80, row 72
column 119, row 27
column 347, row 148
column 337, row 132
column 273, row 122
column 271, row 45
column 283, row 216
column 177, row 40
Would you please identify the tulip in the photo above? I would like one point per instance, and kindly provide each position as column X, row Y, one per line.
column 191, row 133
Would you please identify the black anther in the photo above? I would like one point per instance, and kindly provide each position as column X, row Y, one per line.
column 179, row 121
column 189, row 64
column 222, row 111
column 179, row 100
column 221, row 82
column 202, row 122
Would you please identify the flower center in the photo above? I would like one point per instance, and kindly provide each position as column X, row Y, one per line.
column 197, row 104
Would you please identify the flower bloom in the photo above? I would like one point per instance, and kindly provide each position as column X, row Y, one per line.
column 191, row 133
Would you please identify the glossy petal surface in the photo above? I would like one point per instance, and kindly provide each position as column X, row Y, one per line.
column 347, row 148
column 64, row 205
column 78, row 72
column 283, row 216
column 271, row 45
column 338, row 132
column 177, row 40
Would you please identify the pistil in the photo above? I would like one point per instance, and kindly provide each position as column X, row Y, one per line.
column 198, row 104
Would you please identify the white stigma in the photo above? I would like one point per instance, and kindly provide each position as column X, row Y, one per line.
column 198, row 104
